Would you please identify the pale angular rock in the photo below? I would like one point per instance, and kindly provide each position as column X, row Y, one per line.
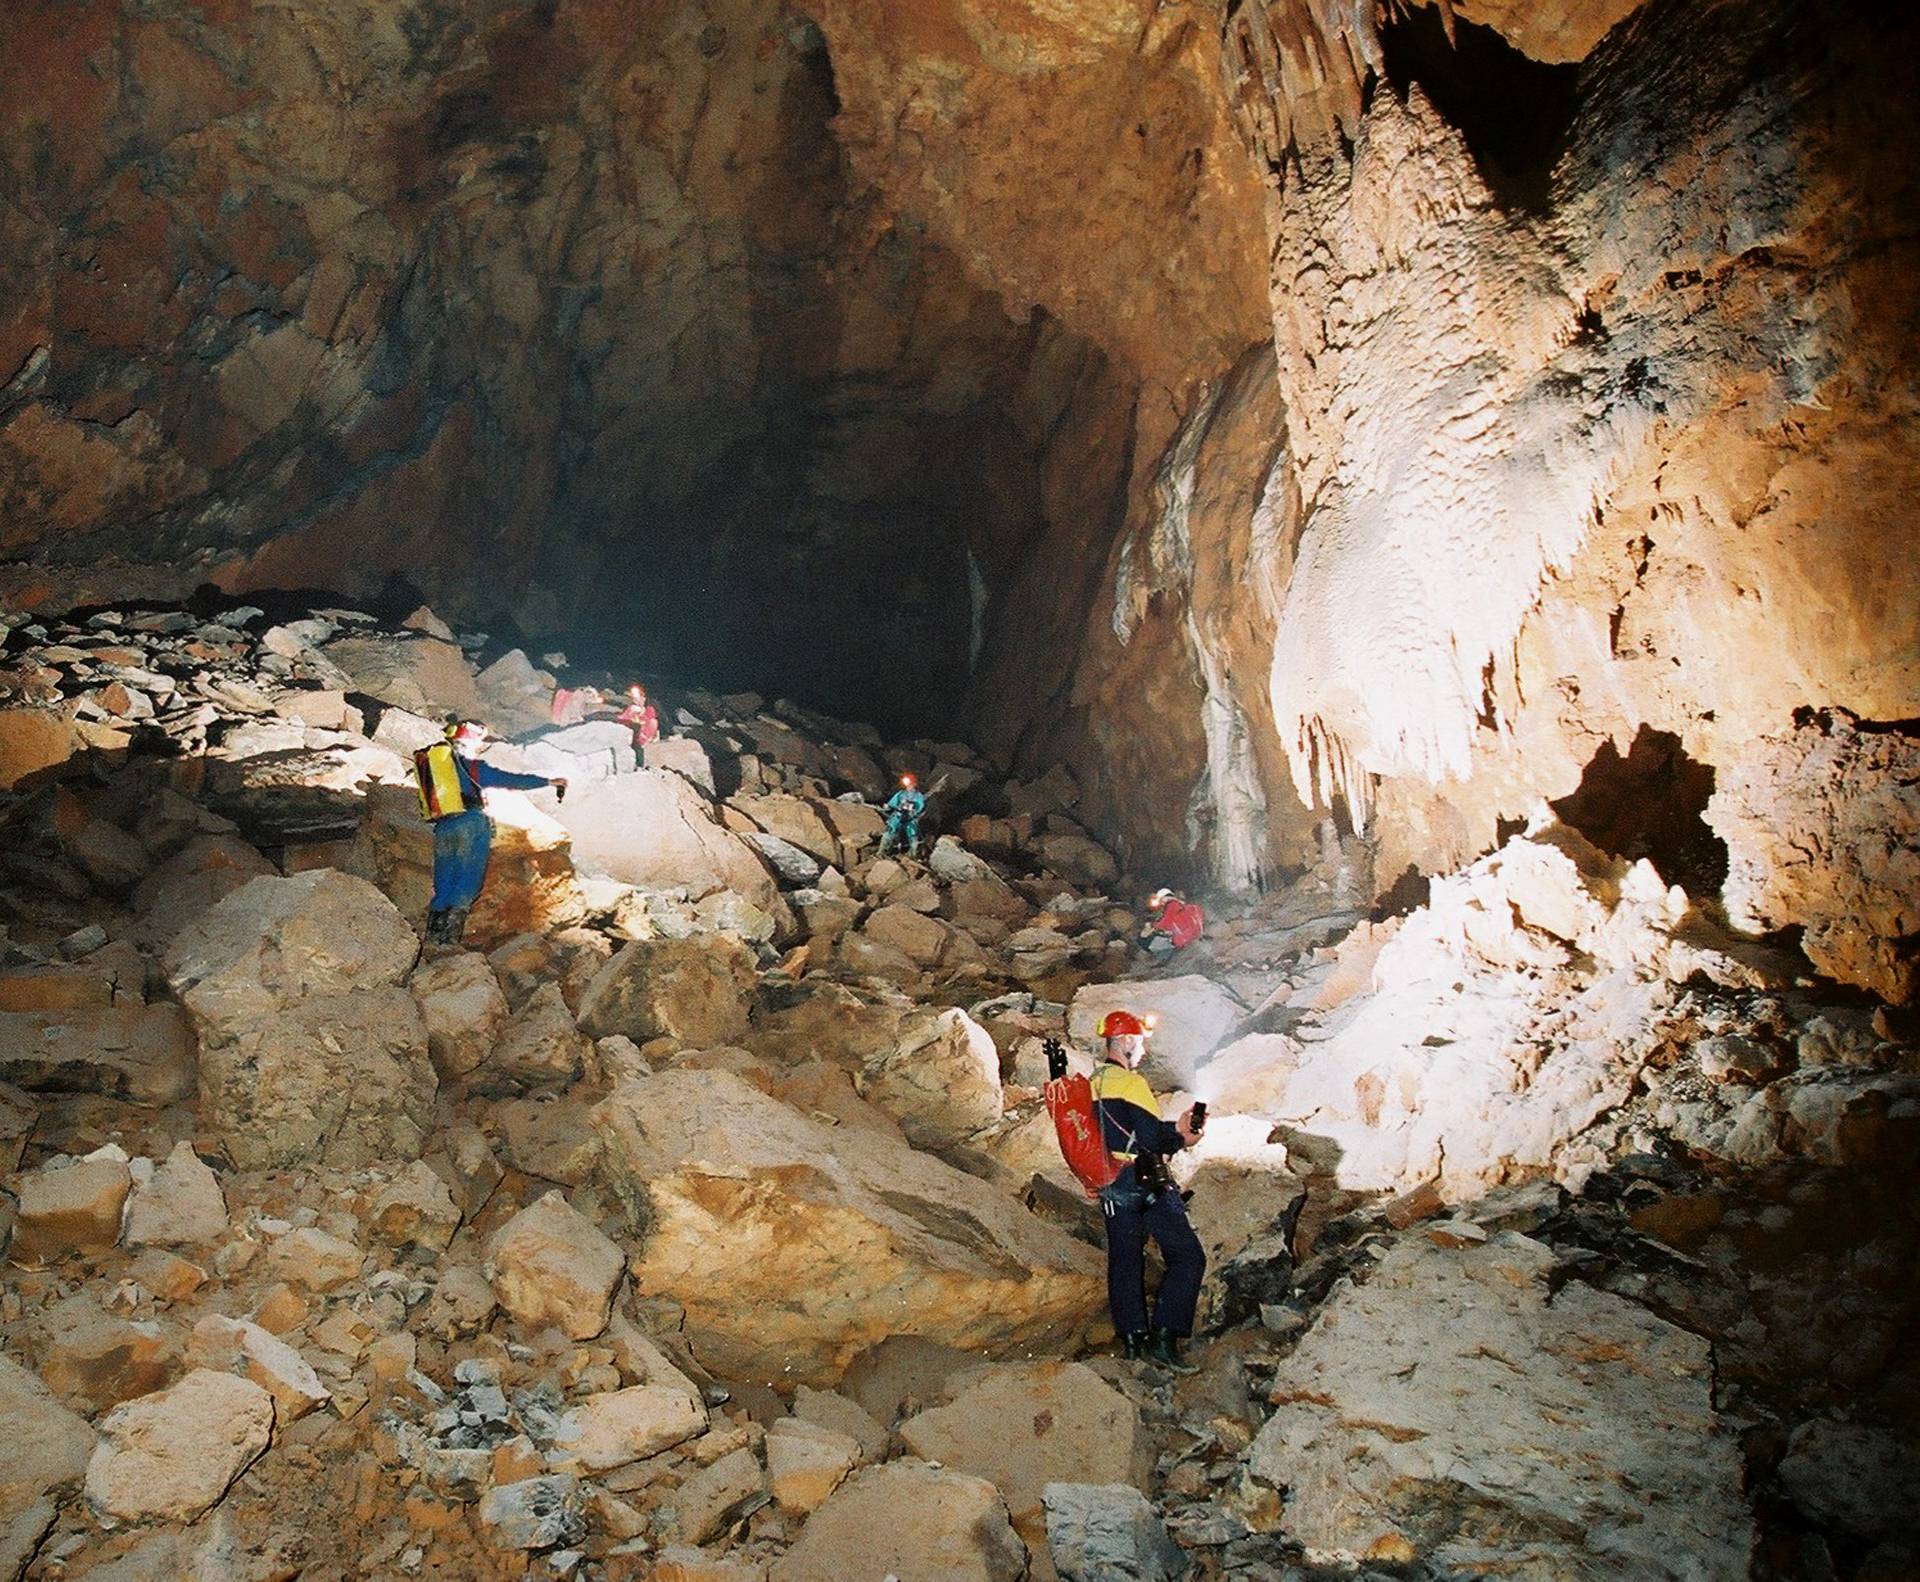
column 1448, row 1391
column 415, row 1209
column 515, row 696
column 74, row 1207
column 831, row 1410
column 806, row 1463
column 230, row 1345
column 697, row 991
column 422, row 674
column 314, row 1260
column 908, row 1520
column 47, row 1452
column 1109, row 1533
column 654, row 830
column 941, row 1081
column 709, row 1500
column 921, row 939
column 954, row 863
column 181, row 1206
column 170, row 1456
column 540, row 1045
column 309, row 1050
column 274, row 943
column 611, row 1429
column 1022, row 1427
column 463, row 1006
column 734, row 1182
column 550, row 1265
column 535, row 1513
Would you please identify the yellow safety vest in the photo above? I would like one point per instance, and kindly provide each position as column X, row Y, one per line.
column 437, row 779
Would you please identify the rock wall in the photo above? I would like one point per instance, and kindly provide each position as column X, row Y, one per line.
column 609, row 316
column 1587, row 418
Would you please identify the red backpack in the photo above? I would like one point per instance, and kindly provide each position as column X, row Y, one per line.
column 1076, row 1122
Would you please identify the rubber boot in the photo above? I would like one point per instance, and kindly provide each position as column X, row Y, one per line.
column 436, row 933
column 1133, row 1345
column 1163, row 1347
column 456, row 925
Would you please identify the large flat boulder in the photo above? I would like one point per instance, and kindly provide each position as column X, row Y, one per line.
column 171, row 1455
column 794, row 1245
column 654, row 830
column 911, row 1521
column 1024, row 1426
column 309, row 1049
column 1454, row 1394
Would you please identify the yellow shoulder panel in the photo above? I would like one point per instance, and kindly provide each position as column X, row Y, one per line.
column 1127, row 1087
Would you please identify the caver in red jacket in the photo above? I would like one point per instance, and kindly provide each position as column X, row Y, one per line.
column 1181, row 921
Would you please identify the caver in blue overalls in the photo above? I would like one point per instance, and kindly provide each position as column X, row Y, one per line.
column 463, row 838
column 1144, row 1202
column 903, row 810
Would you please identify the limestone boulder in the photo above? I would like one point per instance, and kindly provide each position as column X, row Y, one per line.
column 1109, row 1533
column 793, row 819
column 620, row 1426
column 463, row 1006
column 71, row 1207
column 941, row 1080
column 746, row 1201
column 180, row 1206
column 909, row 1520
column 514, row 696
column 171, row 1456
column 654, row 830
column 549, row 1264
column 698, row 991
column 309, row 1049
column 709, row 1500
column 47, row 1452
column 341, row 1079
column 921, row 939
column 276, row 942
column 238, row 1346
column 416, row 1209
column 85, row 1353
column 1453, row 1394
column 806, row 1463
column 1023, row 1427
column 208, row 868
column 540, row 1044
column 418, row 672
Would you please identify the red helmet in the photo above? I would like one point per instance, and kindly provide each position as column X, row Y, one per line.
column 907, row 781
column 1117, row 1024
column 467, row 733
column 1158, row 899
column 636, row 692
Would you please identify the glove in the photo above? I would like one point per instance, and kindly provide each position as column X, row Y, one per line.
column 559, row 790
column 1056, row 1059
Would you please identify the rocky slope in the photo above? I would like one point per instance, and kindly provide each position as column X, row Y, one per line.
column 699, row 1218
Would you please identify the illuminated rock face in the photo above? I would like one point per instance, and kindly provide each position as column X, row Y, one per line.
column 1321, row 407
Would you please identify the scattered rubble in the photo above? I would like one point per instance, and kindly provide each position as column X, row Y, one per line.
column 702, row 1219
